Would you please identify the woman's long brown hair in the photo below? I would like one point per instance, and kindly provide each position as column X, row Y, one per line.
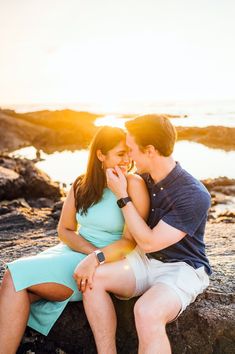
column 88, row 188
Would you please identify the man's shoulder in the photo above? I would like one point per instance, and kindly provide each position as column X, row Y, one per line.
column 193, row 189
column 191, row 183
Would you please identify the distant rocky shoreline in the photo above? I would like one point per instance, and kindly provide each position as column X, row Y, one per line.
column 52, row 131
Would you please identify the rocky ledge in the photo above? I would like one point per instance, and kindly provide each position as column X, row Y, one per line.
column 28, row 225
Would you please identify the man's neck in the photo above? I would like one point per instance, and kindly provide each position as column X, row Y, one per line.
column 161, row 168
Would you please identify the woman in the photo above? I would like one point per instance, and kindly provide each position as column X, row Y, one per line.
column 38, row 288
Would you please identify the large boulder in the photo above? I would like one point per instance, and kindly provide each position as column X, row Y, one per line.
column 206, row 327
column 20, row 178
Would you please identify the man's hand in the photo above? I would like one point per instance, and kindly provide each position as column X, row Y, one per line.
column 117, row 182
column 84, row 272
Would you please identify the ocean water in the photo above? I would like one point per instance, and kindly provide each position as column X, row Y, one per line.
column 201, row 161
column 199, row 114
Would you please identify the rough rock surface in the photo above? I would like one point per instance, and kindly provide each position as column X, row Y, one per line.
column 28, row 226
column 207, row 326
column 19, row 177
column 46, row 130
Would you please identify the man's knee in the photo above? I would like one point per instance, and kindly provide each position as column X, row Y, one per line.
column 146, row 315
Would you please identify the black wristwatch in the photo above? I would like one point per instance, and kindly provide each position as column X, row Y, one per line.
column 100, row 256
column 123, row 201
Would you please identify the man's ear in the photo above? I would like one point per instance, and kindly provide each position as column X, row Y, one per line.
column 150, row 150
column 100, row 156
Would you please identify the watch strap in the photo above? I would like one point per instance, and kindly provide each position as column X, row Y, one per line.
column 123, row 201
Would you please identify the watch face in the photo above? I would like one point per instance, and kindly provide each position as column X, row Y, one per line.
column 100, row 257
column 121, row 203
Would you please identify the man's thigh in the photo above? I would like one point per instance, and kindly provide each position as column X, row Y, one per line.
column 117, row 278
column 160, row 302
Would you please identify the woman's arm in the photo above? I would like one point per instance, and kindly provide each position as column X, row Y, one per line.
column 67, row 227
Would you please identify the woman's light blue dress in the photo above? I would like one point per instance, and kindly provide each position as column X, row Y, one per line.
column 102, row 225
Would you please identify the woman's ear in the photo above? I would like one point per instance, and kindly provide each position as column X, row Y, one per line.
column 100, row 156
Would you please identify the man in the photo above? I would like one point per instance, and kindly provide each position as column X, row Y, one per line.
column 169, row 267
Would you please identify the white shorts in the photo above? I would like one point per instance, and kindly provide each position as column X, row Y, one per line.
column 186, row 281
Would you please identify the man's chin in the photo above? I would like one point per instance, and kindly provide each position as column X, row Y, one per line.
column 140, row 170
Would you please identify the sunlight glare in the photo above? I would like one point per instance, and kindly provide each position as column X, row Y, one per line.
column 111, row 120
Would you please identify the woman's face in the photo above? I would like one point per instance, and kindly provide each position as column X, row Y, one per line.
column 118, row 156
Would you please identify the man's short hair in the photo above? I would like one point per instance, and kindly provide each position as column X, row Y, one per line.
column 153, row 129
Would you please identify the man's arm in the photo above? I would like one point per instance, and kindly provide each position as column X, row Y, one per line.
column 138, row 192
column 149, row 240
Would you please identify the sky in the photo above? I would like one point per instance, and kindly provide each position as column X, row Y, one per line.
column 108, row 52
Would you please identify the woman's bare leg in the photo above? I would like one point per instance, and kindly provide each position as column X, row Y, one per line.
column 115, row 277
column 15, row 308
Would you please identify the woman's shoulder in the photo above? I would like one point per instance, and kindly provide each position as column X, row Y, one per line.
column 134, row 179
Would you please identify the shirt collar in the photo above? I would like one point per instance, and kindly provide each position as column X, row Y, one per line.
column 177, row 170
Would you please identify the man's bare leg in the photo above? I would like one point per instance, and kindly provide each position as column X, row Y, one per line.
column 119, row 279
column 15, row 307
column 158, row 306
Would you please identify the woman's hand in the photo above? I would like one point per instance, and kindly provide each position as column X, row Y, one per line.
column 83, row 273
column 117, row 182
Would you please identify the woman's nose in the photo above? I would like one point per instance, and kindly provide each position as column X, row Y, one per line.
column 126, row 158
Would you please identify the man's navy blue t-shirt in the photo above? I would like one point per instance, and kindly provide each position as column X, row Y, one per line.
column 181, row 201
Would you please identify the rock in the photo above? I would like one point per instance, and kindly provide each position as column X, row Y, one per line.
column 58, row 206
column 41, row 203
column 11, row 183
column 7, row 206
column 212, row 136
column 56, row 211
column 49, row 131
column 20, row 178
column 206, row 327
column 56, row 215
column 19, row 220
column 226, row 217
column 212, row 183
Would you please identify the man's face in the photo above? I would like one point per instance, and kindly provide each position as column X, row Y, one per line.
column 137, row 155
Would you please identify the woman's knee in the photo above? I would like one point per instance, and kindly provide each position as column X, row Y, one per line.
column 51, row 291
column 7, row 282
column 101, row 276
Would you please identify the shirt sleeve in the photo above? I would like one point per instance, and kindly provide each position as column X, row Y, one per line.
column 188, row 211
